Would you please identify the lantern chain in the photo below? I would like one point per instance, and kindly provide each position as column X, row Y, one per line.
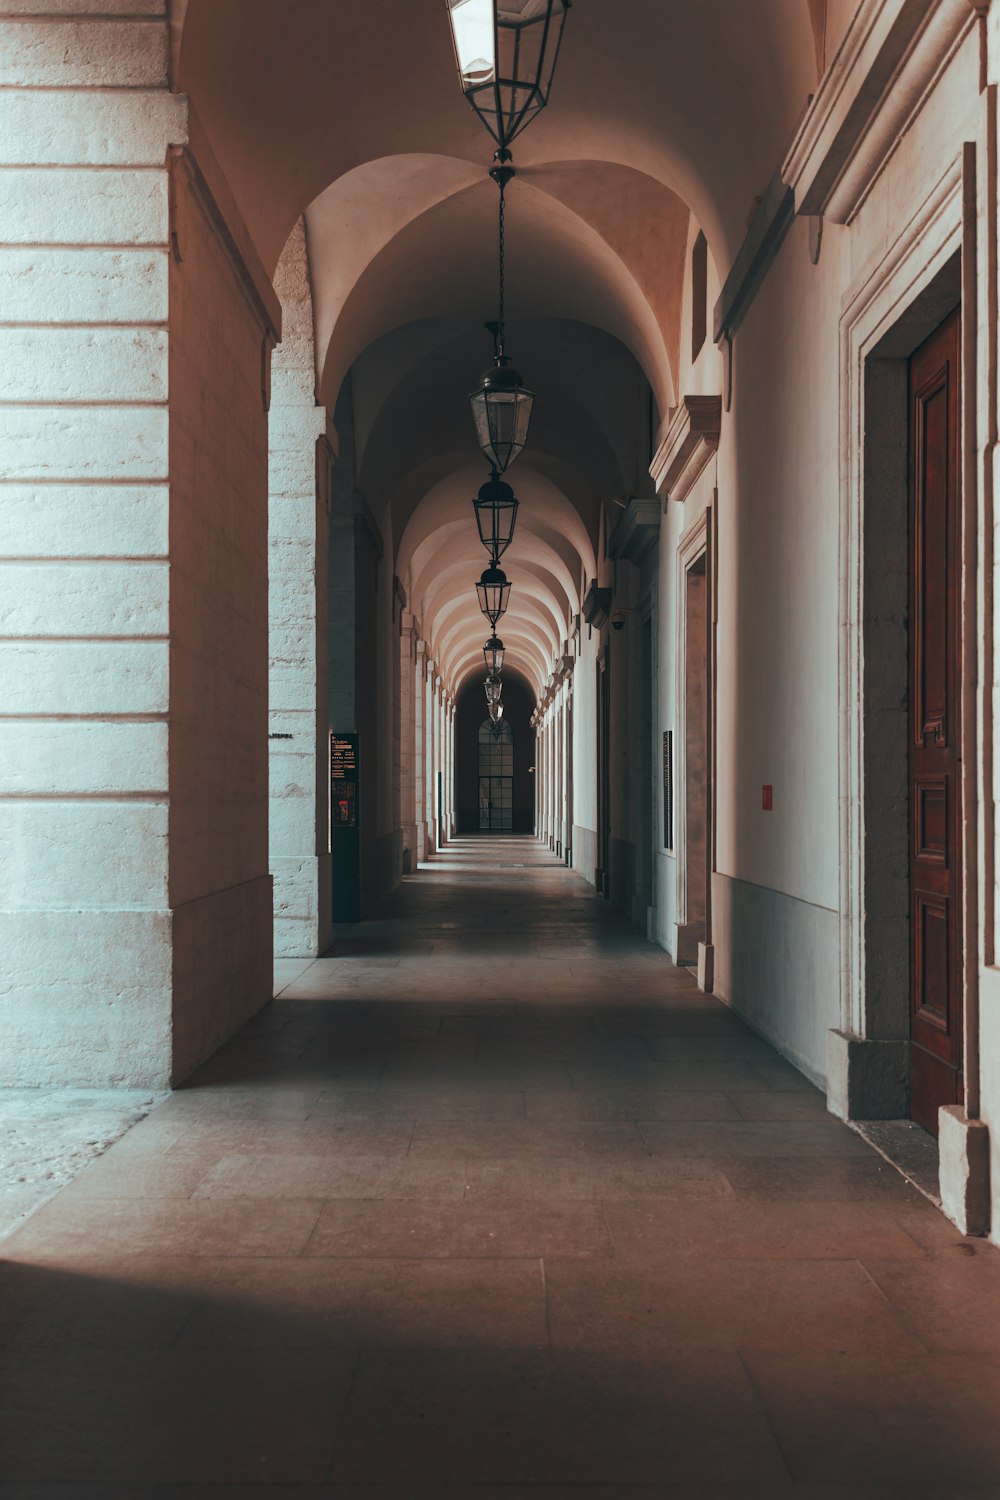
column 501, row 172
column 500, row 331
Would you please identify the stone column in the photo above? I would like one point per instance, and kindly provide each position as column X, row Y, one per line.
column 544, row 768
column 437, row 687
column 452, row 716
column 135, row 899
column 407, row 742
column 299, row 462
column 420, row 746
column 429, row 757
column 559, row 757
column 568, row 740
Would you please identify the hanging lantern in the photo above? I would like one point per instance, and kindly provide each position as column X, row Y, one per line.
column 493, row 654
column 494, row 689
column 495, row 712
column 501, row 410
column 506, row 51
column 494, row 593
column 496, row 513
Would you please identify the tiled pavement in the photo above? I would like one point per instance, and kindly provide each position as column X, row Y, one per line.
column 492, row 1203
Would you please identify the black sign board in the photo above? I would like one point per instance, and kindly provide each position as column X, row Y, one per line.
column 344, row 831
column 668, row 789
column 343, row 755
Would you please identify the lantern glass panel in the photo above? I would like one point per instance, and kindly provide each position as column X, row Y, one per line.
column 502, row 417
column 494, row 689
column 496, row 514
column 475, row 40
column 506, row 52
column 494, row 593
column 493, row 654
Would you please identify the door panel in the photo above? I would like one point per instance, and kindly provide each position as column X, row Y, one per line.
column 934, row 718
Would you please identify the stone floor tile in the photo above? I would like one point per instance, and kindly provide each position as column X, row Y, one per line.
column 555, row 1418
column 457, row 1106
column 710, row 1304
column 247, row 1103
column 319, row 1135
column 87, row 1227
column 442, row 1229
column 797, row 1105
column 830, row 1179
column 566, row 1177
column 172, row 1173
column 140, row 1302
column 951, row 1300
column 511, row 1139
column 923, row 1420
column 179, row 1415
column 373, row 1304
column 792, row 1138
column 733, row 1228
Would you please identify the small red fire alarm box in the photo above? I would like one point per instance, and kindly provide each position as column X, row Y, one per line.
column 767, row 798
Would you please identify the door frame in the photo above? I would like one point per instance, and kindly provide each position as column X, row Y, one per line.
column 889, row 310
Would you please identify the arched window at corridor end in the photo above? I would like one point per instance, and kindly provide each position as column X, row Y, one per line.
column 496, row 777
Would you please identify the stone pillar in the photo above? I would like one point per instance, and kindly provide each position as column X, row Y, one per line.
column 544, row 768
column 407, row 742
column 540, row 780
column 568, row 741
column 299, row 462
column 135, row 898
column 452, row 717
column 420, row 747
column 428, row 693
column 560, row 752
column 437, row 687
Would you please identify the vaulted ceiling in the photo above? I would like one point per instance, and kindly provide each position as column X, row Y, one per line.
column 351, row 114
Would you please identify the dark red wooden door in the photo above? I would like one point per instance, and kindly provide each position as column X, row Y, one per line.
column 935, row 725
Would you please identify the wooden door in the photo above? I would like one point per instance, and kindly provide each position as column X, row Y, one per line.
column 935, row 727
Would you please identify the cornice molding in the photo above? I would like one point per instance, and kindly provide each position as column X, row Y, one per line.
column 772, row 219
column 890, row 58
column 596, row 605
column 692, row 438
column 637, row 531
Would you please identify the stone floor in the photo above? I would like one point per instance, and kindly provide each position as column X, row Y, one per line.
column 492, row 1203
column 48, row 1136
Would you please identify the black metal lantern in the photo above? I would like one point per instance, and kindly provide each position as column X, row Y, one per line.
column 494, row 689
column 496, row 513
column 493, row 654
column 495, row 712
column 494, row 593
column 506, row 51
column 501, row 410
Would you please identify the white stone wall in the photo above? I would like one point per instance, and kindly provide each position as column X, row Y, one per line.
column 134, row 894
column 85, row 926
column 298, row 538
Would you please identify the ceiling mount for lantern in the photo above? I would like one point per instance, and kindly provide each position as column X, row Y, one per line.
column 493, row 590
column 496, row 513
column 506, row 52
column 501, row 406
column 493, row 654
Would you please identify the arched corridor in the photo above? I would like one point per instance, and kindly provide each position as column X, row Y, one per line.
column 498, row 786
column 486, row 1203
